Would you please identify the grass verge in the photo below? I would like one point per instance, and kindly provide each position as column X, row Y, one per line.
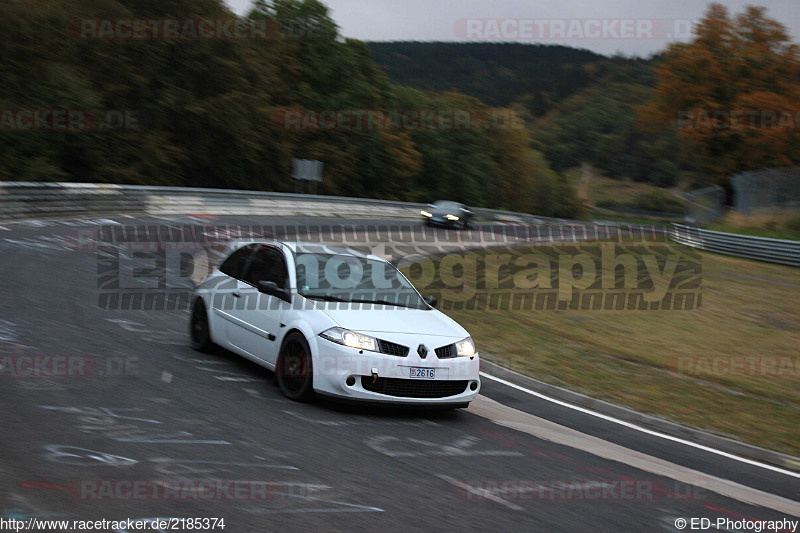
column 775, row 224
column 638, row 358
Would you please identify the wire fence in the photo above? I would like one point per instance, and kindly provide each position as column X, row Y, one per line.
column 705, row 205
column 769, row 188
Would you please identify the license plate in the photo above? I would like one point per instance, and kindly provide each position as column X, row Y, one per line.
column 423, row 373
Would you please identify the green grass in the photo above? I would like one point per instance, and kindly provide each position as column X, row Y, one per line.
column 757, row 232
column 602, row 215
column 775, row 224
column 631, row 357
column 623, row 200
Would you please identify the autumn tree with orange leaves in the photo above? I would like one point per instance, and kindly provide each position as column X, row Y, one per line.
column 733, row 94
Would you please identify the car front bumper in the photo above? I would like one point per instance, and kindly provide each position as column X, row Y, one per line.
column 343, row 372
column 442, row 221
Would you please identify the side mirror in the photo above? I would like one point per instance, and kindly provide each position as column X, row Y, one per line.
column 431, row 300
column 271, row 288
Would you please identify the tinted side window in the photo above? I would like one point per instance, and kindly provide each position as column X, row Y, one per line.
column 267, row 265
column 235, row 263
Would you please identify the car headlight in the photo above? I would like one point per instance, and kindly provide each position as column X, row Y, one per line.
column 452, row 217
column 425, row 214
column 465, row 348
column 345, row 337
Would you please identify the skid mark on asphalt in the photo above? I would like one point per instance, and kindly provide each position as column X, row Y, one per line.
column 118, row 425
column 410, row 447
column 72, row 455
column 343, row 507
column 222, row 463
column 361, row 421
column 9, row 337
column 107, row 422
column 157, row 335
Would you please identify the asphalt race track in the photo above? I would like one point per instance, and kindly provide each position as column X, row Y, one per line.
column 141, row 426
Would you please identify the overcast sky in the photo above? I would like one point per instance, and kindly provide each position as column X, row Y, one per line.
column 604, row 26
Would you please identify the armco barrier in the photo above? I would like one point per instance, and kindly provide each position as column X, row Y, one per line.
column 23, row 200
column 33, row 200
column 759, row 248
column 37, row 200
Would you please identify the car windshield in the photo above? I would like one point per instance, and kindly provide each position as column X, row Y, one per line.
column 349, row 278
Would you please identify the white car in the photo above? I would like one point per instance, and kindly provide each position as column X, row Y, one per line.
column 335, row 322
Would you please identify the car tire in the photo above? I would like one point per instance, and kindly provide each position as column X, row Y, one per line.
column 294, row 368
column 199, row 330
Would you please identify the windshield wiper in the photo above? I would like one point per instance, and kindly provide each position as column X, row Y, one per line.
column 326, row 297
column 331, row 298
column 384, row 302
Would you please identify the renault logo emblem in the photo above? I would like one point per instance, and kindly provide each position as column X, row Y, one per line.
column 422, row 351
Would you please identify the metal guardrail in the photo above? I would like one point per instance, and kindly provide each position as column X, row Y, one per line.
column 760, row 248
column 28, row 200
column 33, row 200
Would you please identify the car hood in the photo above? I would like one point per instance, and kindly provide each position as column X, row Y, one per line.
column 391, row 319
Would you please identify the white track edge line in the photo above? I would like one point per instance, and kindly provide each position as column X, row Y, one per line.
column 643, row 430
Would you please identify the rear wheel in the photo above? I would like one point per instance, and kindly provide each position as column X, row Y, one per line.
column 198, row 328
column 294, row 368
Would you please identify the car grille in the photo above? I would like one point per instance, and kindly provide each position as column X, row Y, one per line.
column 443, row 352
column 413, row 388
column 391, row 348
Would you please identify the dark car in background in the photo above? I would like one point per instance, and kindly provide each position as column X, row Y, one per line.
column 448, row 214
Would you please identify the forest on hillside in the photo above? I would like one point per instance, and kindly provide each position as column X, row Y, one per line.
column 662, row 120
column 487, row 124
column 579, row 106
column 209, row 112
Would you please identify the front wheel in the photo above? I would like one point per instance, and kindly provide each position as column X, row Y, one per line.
column 198, row 328
column 294, row 369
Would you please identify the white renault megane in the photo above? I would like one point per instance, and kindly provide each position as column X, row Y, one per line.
column 335, row 322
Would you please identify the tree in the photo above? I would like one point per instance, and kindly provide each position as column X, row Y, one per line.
column 732, row 93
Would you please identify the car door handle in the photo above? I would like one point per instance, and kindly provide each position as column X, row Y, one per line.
column 235, row 294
